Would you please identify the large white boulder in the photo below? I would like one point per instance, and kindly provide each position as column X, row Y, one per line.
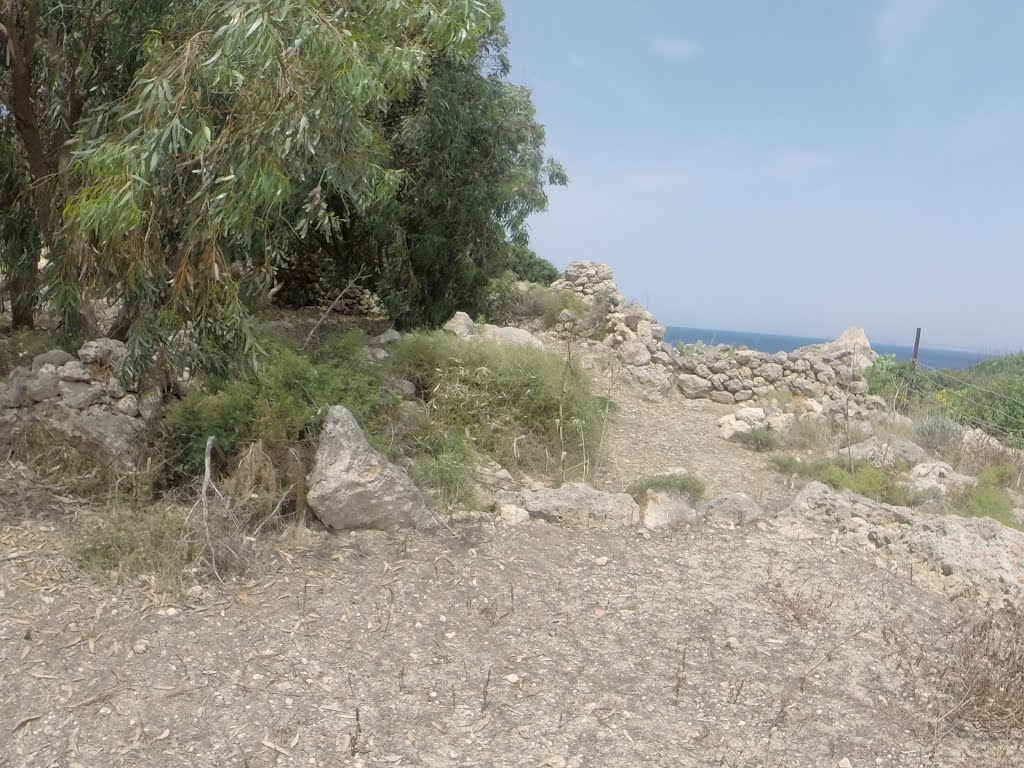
column 354, row 486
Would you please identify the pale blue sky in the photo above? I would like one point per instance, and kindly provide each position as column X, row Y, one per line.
column 795, row 166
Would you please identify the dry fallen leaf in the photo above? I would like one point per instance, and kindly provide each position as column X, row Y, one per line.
column 276, row 747
column 482, row 723
column 164, row 735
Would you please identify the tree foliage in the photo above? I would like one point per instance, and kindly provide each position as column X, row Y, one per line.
column 473, row 169
column 185, row 156
column 62, row 61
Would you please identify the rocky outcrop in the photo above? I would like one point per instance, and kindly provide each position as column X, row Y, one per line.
column 665, row 510
column 852, row 350
column 734, row 508
column 462, row 325
column 81, row 399
column 353, row 486
column 962, row 555
column 579, row 505
column 886, row 454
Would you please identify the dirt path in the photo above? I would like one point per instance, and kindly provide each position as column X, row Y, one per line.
column 515, row 647
column 676, row 433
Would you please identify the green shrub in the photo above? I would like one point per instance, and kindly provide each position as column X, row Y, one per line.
column 676, row 484
column 548, row 304
column 503, row 299
column 985, row 500
column 888, row 379
column 788, row 465
column 760, row 439
column 863, row 479
column 1002, row 476
column 284, row 401
column 504, row 400
column 447, row 475
column 937, row 431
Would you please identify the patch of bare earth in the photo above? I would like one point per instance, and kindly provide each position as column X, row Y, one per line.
column 534, row 646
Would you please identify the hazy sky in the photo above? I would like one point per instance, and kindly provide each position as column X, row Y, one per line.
column 794, row 166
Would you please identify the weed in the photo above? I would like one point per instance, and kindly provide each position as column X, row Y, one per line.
column 1002, row 476
column 760, row 439
column 677, row 484
column 282, row 403
column 503, row 401
column 816, row 435
column 938, row 432
column 989, row 501
column 862, row 479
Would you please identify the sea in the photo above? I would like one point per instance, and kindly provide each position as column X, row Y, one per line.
column 948, row 359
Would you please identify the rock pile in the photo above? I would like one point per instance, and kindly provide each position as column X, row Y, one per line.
column 830, row 374
column 963, row 555
column 589, row 279
column 82, row 397
column 730, row 376
column 364, row 303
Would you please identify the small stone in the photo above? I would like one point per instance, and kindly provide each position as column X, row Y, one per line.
column 74, row 371
column 141, row 646
column 55, row 357
column 602, row 561
column 172, row 612
column 845, row 763
column 512, row 679
column 128, row 406
column 79, row 395
column 732, row 643
column 512, row 515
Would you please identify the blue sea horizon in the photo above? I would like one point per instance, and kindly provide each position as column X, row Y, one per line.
column 950, row 359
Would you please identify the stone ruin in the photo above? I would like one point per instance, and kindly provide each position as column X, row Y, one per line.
column 81, row 397
column 831, row 375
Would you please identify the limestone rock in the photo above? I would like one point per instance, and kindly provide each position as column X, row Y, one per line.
column 15, row 394
column 886, row 454
column 390, row 336
column 656, row 380
column 513, row 337
column 128, row 406
column 105, row 352
column 79, row 395
column 771, row 372
column 55, row 357
column 579, row 505
column 853, row 342
column 725, row 398
column 663, row 510
column 735, row 508
column 74, row 371
column 511, row 515
column 694, row 387
column 936, row 477
column 755, row 417
column 731, row 428
column 354, row 486
column 634, row 353
column 113, row 434
column 461, row 325
column 44, row 385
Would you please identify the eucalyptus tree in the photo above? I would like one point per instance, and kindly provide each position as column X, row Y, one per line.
column 245, row 118
column 61, row 61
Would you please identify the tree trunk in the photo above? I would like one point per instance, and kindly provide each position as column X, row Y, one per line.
column 23, row 286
